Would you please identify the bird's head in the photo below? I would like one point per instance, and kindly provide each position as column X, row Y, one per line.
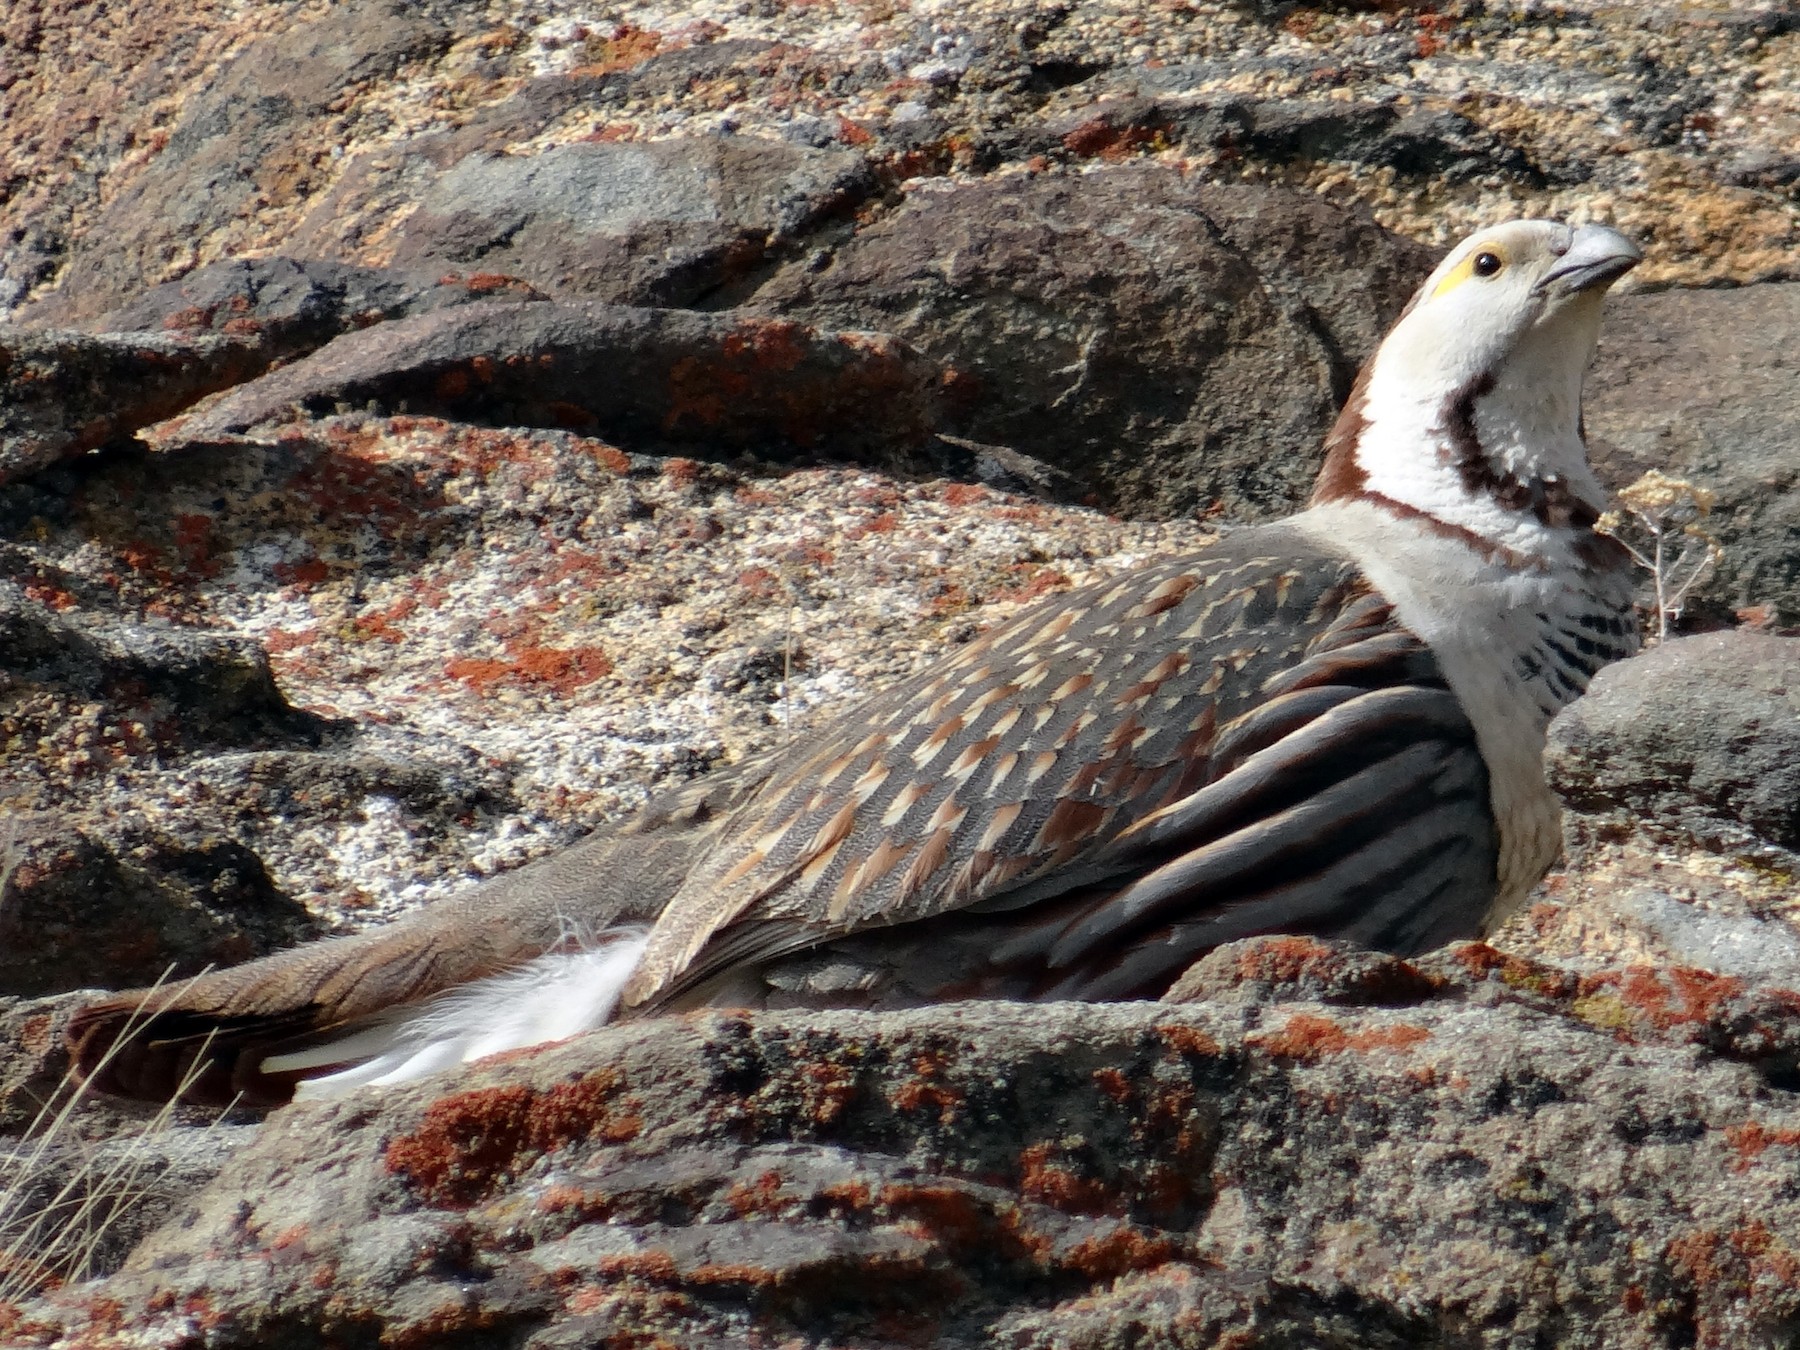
column 1470, row 410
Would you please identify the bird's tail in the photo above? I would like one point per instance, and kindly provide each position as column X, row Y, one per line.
column 534, row 955
column 562, row 993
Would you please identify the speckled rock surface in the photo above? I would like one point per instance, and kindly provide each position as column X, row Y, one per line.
column 1256, row 1171
column 494, row 639
column 389, row 607
column 1678, row 121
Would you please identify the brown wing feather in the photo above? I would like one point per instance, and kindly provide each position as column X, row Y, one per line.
column 1011, row 769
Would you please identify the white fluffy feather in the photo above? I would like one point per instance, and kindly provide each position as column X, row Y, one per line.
column 560, row 994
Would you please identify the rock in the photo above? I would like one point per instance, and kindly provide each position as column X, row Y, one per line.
column 1442, row 146
column 1677, row 770
column 662, row 223
column 87, row 911
column 33, row 1058
column 288, row 306
column 65, row 393
column 246, row 148
column 656, row 375
column 1051, row 1176
column 1108, row 321
column 1699, row 738
column 1677, row 126
column 84, row 1179
column 182, row 687
column 1682, row 386
column 1302, row 968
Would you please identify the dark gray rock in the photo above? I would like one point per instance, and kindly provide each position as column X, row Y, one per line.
column 286, row 306
column 85, row 910
column 1413, row 143
column 63, row 393
column 660, row 223
column 1698, row 739
column 1700, row 385
column 1176, row 346
column 241, row 145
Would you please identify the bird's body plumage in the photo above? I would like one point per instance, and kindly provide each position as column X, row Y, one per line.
column 1331, row 724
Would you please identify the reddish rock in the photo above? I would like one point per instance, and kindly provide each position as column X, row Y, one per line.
column 657, row 375
column 65, row 393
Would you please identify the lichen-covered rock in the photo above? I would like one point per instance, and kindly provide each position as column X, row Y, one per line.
column 64, row 393
column 654, row 376
column 416, row 606
column 1509, row 1157
column 244, row 127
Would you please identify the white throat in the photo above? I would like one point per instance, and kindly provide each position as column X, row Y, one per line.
column 1508, row 464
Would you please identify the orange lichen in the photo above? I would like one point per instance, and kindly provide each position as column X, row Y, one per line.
column 965, row 494
column 945, row 1214
column 1058, row 1185
column 1646, row 998
column 466, row 1143
column 885, row 522
column 304, row 575
column 760, row 582
column 1481, row 961
column 645, row 1265
column 626, row 46
column 827, row 1090
column 1286, row 960
column 1309, row 1037
column 1118, row 1252
column 1114, row 1084
column 927, row 1091
column 559, row 669
column 1189, row 1041
column 1750, row 1139
column 1103, row 138
column 763, row 1196
column 1034, row 580
column 608, row 456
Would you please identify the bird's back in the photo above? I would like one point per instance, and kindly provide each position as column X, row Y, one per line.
column 1238, row 740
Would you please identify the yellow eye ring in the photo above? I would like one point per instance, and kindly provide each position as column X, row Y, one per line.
column 1483, row 262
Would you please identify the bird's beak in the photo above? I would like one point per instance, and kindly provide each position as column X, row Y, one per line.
column 1596, row 257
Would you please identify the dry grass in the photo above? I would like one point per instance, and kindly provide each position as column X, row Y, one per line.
column 50, row 1240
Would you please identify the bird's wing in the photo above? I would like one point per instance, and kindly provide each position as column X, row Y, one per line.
column 1206, row 733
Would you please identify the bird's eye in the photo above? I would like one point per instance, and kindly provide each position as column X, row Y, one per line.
column 1486, row 264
